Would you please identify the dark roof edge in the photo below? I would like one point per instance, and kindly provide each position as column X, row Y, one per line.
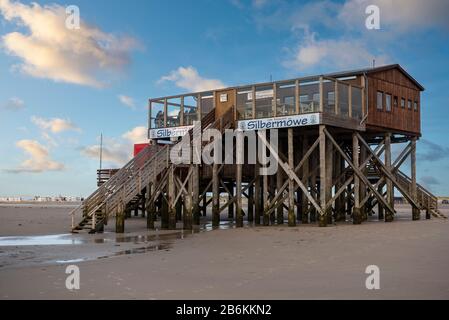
column 373, row 70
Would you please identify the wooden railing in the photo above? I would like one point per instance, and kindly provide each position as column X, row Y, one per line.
column 129, row 181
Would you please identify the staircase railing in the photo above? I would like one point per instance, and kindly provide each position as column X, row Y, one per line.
column 424, row 197
column 137, row 173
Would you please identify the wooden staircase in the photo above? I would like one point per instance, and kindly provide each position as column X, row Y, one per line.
column 425, row 199
column 127, row 183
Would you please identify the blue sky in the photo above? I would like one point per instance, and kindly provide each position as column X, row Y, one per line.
column 61, row 88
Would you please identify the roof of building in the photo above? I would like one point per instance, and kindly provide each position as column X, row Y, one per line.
column 374, row 70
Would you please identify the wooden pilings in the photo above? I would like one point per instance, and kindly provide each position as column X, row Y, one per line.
column 390, row 191
column 291, row 191
column 322, row 176
column 356, row 214
column 414, row 192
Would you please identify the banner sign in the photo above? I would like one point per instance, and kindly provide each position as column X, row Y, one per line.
column 169, row 132
column 280, row 122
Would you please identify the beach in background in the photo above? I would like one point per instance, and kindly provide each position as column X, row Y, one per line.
column 276, row 262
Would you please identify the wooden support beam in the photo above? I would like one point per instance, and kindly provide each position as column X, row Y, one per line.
column 257, row 194
column 195, row 194
column 329, row 180
column 363, row 187
column 414, row 191
column 230, row 190
column 356, row 214
column 390, row 191
column 215, row 196
column 389, row 175
column 240, row 151
column 290, row 173
column 305, row 179
column 150, row 206
column 188, row 204
column 266, row 201
column 322, row 219
column 171, row 199
column 358, row 172
column 279, row 192
column 251, row 202
column 291, row 191
column 120, row 218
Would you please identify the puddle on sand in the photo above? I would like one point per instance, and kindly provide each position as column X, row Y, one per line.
column 58, row 239
column 71, row 239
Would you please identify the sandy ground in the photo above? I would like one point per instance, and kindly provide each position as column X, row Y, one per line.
column 305, row 262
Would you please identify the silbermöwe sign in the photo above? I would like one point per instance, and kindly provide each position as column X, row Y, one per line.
column 169, row 132
column 280, row 122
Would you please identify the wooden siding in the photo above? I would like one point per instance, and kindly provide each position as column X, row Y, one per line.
column 400, row 119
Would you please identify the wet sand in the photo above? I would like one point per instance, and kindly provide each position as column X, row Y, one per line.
column 305, row 262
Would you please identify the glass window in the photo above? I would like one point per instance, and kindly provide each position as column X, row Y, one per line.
column 264, row 101
column 343, row 99
column 415, row 106
column 329, row 96
column 380, row 96
column 395, row 101
column 285, row 99
column 357, row 112
column 245, row 103
column 409, row 104
column 388, row 102
column 310, row 96
column 157, row 114
column 191, row 108
column 402, row 103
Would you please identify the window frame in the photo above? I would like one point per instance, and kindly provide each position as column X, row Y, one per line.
column 387, row 108
column 409, row 104
column 381, row 107
column 403, row 103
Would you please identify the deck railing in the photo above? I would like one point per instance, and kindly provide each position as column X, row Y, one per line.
column 322, row 94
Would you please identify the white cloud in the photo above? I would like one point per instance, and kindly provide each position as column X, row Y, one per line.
column 117, row 151
column 14, row 104
column 399, row 15
column 332, row 54
column 189, row 78
column 39, row 160
column 127, row 101
column 137, row 135
column 112, row 152
column 52, row 51
column 55, row 125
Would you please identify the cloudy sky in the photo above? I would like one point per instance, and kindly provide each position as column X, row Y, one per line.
column 61, row 88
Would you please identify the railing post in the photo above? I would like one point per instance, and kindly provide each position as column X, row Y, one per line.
column 297, row 96
column 181, row 120
column 350, row 101
column 253, row 89
column 337, row 109
column 321, row 95
column 274, row 102
column 165, row 112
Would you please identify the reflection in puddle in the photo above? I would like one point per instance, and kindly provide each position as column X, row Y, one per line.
column 58, row 239
column 70, row 239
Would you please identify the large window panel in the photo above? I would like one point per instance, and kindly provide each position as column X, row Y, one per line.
column 157, row 114
column 309, row 96
column 264, row 101
column 245, row 103
column 285, row 99
column 343, row 99
column 190, row 110
column 356, row 99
